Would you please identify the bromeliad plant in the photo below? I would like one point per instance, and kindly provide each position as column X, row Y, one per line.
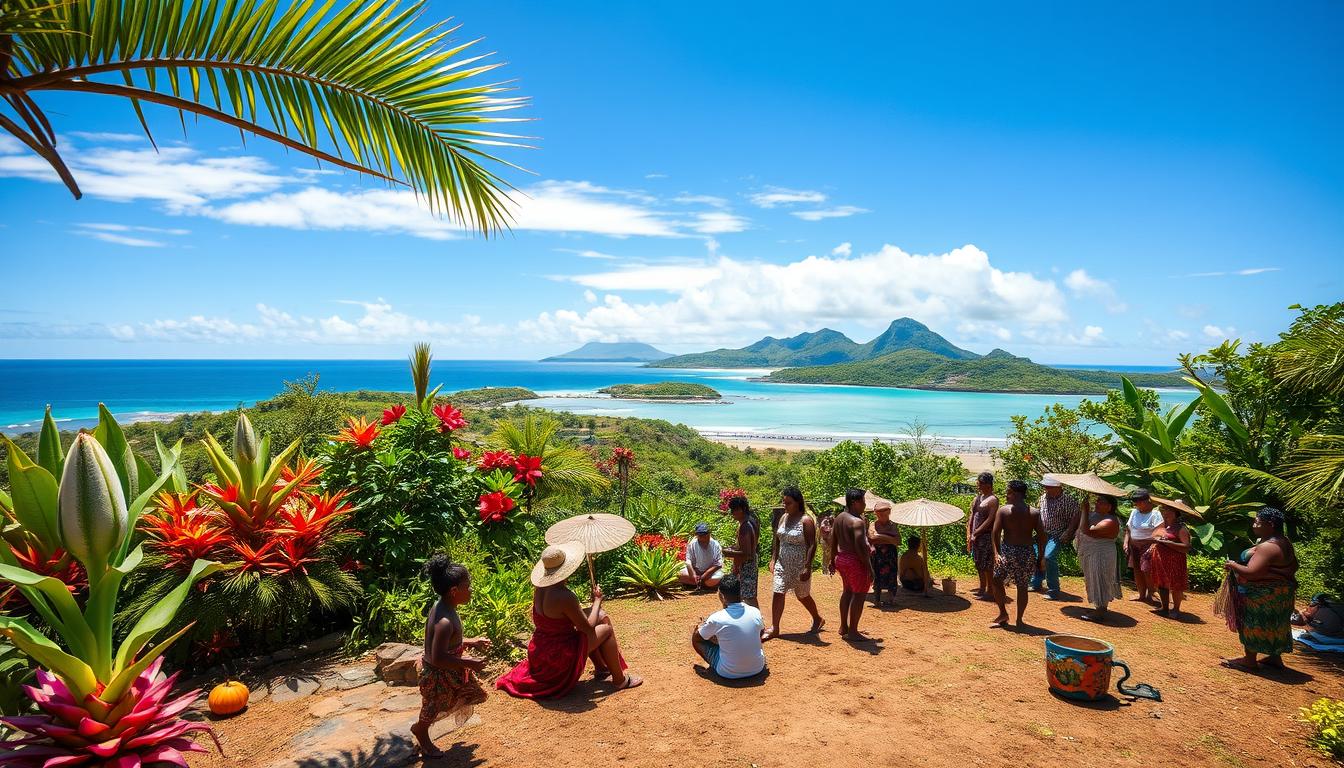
column 99, row 703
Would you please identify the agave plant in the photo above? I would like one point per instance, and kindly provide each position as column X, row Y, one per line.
column 651, row 571
column 101, row 702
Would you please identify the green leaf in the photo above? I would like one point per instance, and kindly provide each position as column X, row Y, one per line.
column 1222, row 410
column 34, row 496
column 72, row 627
column 101, row 609
column 123, row 680
column 76, row 674
column 158, row 617
column 108, row 433
column 50, row 456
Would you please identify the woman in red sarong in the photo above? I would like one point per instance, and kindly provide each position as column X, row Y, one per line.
column 564, row 637
column 1165, row 561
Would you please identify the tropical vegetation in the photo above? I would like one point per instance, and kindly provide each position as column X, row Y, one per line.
column 663, row 390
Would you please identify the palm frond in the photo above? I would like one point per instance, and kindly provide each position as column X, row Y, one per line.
column 1311, row 356
column 421, row 357
column 567, row 472
column 359, row 85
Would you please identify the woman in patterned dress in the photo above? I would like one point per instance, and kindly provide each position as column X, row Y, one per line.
column 1167, row 570
column 743, row 553
column 980, row 533
column 1265, row 579
column 792, row 556
column 885, row 536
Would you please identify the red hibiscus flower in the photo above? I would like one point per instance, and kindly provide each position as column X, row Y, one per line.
column 491, row 460
column 393, row 415
column 461, row 454
column 494, row 507
column 527, row 469
column 357, row 432
column 449, row 417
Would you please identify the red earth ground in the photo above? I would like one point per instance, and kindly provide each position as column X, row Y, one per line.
column 942, row 689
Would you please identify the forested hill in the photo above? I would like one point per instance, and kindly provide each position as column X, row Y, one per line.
column 823, row 347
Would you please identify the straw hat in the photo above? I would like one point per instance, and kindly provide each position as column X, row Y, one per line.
column 924, row 513
column 1090, row 483
column 871, row 501
column 1177, row 504
column 557, row 562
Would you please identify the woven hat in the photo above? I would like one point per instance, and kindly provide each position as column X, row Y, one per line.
column 557, row 562
column 1050, row 481
column 1090, row 483
column 1180, row 506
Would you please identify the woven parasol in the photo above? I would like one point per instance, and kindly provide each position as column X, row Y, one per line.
column 1090, row 483
column 1185, row 509
column 870, row 501
column 596, row 532
column 923, row 513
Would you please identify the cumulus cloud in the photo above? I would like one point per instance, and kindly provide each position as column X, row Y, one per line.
column 590, row 297
column 838, row 212
column 1219, row 333
column 773, row 197
column 1083, row 285
column 843, row 249
column 729, row 300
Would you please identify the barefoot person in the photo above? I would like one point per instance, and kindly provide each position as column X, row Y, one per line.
column 1059, row 517
column 980, row 533
column 565, row 637
column 792, row 556
column 447, row 676
column 730, row 639
column 744, row 550
column 1167, row 569
column 885, row 536
column 1139, row 529
column 704, row 560
column 853, row 562
column 1096, row 555
column 1265, row 577
column 1015, row 527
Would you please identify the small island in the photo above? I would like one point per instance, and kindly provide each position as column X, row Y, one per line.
column 486, row 397
column 663, row 390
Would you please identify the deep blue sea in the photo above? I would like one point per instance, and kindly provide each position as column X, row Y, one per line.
column 136, row 389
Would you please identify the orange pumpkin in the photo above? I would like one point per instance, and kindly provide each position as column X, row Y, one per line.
column 228, row 698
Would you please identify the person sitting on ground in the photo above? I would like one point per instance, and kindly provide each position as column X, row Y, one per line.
column 1323, row 617
column 447, row 676
column 730, row 639
column 704, row 560
column 885, row 537
column 853, row 561
column 1015, row 526
column 914, row 569
column 565, row 637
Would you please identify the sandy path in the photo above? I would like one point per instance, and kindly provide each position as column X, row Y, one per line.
column 941, row 690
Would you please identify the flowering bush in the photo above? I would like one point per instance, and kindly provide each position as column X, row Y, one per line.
column 675, row 545
column 728, row 494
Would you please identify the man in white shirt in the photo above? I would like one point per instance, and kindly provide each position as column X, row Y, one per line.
column 704, row 560
column 730, row 639
column 1143, row 521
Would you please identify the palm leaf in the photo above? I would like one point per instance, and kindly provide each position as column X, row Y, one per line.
column 358, row 85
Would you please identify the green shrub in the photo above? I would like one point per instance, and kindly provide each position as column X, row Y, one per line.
column 1206, row 573
column 1322, row 565
column 396, row 614
column 652, row 572
column 1326, row 716
column 500, row 609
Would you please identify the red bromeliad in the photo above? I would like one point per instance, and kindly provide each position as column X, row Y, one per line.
column 306, row 471
column 393, row 414
column 449, row 418
column 727, row 495
column 494, row 506
column 313, row 520
column 492, row 460
column 671, row 544
column 527, row 469
column 184, row 537
column 461, row 454
column 257, row 559
column 358, row 433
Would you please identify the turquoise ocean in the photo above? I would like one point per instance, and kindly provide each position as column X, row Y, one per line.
column 145, row 389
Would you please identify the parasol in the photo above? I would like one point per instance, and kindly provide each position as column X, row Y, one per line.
column 1090, row 483
column 1185, row 509
column 596, row 532
column 923, row 513
column 870, row 501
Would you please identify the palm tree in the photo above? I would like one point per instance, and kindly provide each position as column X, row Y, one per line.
column 1310, row 360
column 359, row 85
column 567, row 472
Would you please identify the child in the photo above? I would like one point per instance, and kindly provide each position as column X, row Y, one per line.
column 447, row 682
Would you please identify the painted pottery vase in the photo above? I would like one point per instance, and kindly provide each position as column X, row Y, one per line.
column 1080, row 667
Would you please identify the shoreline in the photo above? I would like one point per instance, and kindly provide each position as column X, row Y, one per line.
column 974, row 452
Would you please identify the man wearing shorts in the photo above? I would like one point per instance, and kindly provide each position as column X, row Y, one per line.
column 852, row 559
column 1015, row 525
column 730, row 640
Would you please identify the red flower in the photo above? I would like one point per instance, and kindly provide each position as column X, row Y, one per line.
column 727, row 495
column 304, row 470
column 184, row 537
column 497, row 460
column 393, row 415
column 670, row 544
column 357, row 432
column 258, row 558
column 449, row 417
column 527, row 469
column 311, row 521
column 494, row 507
column 227, row 494
column 461, row 454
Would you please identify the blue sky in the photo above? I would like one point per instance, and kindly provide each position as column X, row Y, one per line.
column 1069, row 182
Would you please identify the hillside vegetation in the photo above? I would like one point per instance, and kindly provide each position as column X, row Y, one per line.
column 663, row 390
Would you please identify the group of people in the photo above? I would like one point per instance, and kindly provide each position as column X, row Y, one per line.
column 1009, row 541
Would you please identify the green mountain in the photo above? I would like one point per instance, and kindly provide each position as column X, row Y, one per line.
column 825, row 347
column 610, row 352
column 998, row 371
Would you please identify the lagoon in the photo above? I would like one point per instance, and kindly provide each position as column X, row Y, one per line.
column 140, row 389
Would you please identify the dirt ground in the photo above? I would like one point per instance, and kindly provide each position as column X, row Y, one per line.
column 941, row 689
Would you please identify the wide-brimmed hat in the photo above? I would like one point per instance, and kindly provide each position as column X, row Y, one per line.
column 557, row 562
column 1180, row 506
column 1050, row 481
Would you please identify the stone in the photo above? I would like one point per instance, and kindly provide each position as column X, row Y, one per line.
column 402, row 702
column 323, row 708
column 348, row 677
column 395, row 663
column 364, row 697
column 329, row 642
column 290, row 689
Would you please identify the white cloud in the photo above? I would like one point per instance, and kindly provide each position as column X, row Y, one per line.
column 843, row 249
column 380, row 210
column 588, row 253
column 718, row 222
column 732, row 301
column 125, row 234
column 1177, row 335
column 773, row 197
column 105, row 137
column 112, row 237
column 106, row 227
column 838, row 212
column 1219, row 333
column 710, row 200
column 1237, row 272
column 1081, row 284
column 655, row 175
column 590, row 297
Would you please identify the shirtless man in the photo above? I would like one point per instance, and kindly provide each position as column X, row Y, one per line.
column 852, row 558
column 1015, row 525
column 980, row 530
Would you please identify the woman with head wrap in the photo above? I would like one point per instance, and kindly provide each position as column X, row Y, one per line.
column 1265, row 579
